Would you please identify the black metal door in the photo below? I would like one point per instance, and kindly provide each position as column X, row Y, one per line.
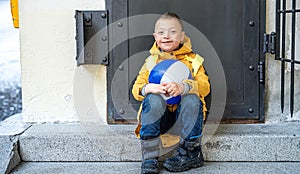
column 235, row 29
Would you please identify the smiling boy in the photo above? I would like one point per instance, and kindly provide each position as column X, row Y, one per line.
column 157, row 117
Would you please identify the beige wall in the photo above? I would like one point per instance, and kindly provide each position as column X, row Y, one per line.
column 56, row 90
column 49, row 71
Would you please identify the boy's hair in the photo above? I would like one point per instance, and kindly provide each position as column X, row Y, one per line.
column 170, row 15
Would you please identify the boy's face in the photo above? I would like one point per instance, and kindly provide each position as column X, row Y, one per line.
column 168, row 34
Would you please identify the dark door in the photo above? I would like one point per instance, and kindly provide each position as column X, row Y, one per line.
column 234, row 28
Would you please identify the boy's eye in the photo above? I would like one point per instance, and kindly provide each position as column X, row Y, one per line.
column 173, row 31
column 160, row 32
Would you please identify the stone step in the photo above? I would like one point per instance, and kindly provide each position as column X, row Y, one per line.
column 75, row 142
column 134, row 168
column 10, row 130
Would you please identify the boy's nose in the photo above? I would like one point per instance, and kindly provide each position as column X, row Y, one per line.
column 166, row 35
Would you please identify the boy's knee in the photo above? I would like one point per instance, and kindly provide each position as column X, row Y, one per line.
column 154, row 101
column 190, row 100
column 152, row 111
column 156, row 98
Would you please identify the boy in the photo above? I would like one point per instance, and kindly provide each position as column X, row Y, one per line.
column 157, row 118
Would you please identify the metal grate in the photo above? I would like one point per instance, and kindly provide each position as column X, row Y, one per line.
column 280, row 51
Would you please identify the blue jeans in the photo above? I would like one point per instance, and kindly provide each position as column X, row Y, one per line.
column 186, row 121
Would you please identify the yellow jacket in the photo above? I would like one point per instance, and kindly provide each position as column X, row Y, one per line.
column 199, row 86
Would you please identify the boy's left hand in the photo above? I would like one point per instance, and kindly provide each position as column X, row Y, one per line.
column 173, row 89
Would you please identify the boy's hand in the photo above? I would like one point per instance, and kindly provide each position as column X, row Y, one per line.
column 168, row 89
column 173, row 89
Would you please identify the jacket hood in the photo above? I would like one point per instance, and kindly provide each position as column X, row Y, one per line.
column 184, row 49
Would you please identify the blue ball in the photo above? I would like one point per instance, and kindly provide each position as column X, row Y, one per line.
column 169, row 71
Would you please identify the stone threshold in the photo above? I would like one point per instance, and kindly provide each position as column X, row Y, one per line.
column 109, row 143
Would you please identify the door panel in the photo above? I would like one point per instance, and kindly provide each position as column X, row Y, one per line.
column 233, row 27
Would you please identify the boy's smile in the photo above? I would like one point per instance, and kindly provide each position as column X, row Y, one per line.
column 168, row 34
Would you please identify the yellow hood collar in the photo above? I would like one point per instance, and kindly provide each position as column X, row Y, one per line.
column 185, row 49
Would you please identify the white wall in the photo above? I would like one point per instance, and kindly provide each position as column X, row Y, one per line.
column 49, row 71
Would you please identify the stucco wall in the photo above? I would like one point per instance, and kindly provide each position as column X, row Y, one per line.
column 55, row 89
column 48, row 49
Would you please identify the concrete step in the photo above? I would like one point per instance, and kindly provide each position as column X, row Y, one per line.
column 75, row 142
column 134, row 168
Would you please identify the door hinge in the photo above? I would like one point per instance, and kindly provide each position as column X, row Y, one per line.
column 91, row 37
column 261, row 71
column 269, row 43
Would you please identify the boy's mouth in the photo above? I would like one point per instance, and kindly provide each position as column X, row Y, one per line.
column 167, row 42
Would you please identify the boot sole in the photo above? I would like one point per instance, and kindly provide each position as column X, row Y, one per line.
column 150, row 172
column 192, row 164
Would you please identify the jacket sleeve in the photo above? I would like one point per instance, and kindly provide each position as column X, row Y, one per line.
column 200, row 85
column 140, row 81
